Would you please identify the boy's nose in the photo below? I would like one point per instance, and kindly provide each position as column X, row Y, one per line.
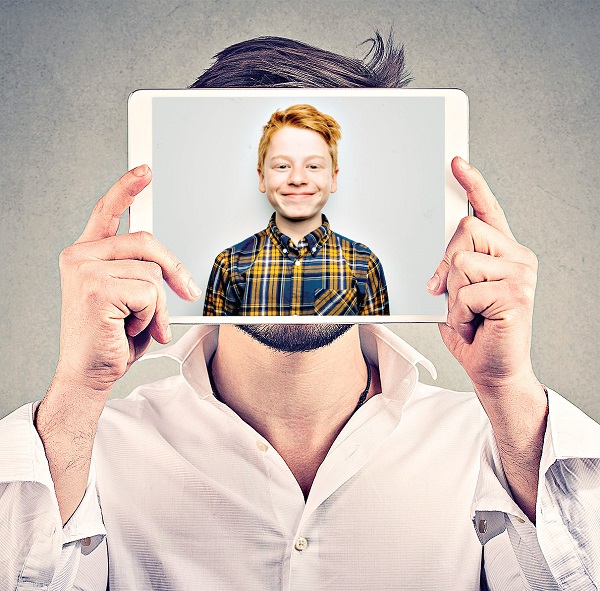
column 297, row 176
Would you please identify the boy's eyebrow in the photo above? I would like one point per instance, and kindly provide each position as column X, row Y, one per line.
column 305, row 158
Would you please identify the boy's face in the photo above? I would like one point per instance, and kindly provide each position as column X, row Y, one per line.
column 297, row 174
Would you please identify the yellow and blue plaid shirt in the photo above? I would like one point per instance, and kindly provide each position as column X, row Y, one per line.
column 325, row 274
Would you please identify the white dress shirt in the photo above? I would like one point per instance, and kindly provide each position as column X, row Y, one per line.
column 185, row 495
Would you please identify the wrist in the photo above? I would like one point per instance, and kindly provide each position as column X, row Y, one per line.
column 523, row 388
column 70, row 405
column 517, row 409
column 90, row 384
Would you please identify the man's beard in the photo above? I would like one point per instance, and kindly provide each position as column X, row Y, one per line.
column 295, row 338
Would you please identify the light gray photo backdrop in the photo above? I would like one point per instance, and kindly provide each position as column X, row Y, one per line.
column 529, row 69
column 390, row 193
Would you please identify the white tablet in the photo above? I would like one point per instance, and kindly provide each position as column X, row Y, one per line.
column 395, row 207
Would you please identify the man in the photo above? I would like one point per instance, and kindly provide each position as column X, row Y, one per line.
column 297, row 266
column 297, row 457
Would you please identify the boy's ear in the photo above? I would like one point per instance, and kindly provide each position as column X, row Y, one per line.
column 334, row 180
column 261, row 181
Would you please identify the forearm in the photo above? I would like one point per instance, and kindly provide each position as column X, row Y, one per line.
column 518, row 414
column 66, row 421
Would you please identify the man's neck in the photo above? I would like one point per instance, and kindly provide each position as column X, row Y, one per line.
column 299, row 402
column 295, row 229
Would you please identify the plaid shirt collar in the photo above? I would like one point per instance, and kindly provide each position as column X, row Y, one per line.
column 313, row 241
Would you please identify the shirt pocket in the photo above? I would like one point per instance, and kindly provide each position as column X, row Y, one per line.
column 336, row 302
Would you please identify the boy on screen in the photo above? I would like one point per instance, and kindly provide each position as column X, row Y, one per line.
column 297, row 265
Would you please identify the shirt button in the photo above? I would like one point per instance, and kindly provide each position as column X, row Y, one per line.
column 86, row 542
column 262, row 446
column 297, row 263
column 301, row 544
column 314, row 249
column 520, row 520
column 482, row 526
column 285, row 251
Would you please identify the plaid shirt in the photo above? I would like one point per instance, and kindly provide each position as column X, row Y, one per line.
column 325, row 274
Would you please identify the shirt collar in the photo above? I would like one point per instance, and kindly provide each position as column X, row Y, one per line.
column 314, row 240
column 396, row 359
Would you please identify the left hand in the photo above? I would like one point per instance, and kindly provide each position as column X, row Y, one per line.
column 490, row 279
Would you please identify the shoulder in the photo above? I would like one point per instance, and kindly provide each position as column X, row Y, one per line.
column 348, row 244
column 246, row 248
column 148, row 405
column 250, row 244
column 357, row 252
column 352, row 245
column 456, row 414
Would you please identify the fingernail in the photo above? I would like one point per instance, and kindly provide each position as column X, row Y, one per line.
column 434, row 283
column 169, row 333
column 141, row 170
column 463, row 164
column 194, row 289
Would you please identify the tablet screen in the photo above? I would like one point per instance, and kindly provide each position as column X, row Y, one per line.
column 385, row 225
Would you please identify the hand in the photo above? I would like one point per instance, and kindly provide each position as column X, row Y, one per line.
column 113, row 295
column 490, row 279
column 113, row 305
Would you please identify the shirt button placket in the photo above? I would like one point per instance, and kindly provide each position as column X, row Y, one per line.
column 301, row 544
column 305, row 560
column 296, row 287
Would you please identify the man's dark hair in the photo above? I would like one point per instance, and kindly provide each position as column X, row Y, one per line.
column 276, row 62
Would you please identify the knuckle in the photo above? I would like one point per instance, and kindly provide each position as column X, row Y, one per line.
column 529, row 294
column 66, row 257
column 161, row 300
column 533, row 261
column 150, row 296
column 144, row 237
column 155, row 271
column 496, row 208
column 467, row 224
column 462, row 225
column 529, row 257
column 532, row 277
column 459, row 259
column 100, row 206
column 519, row 272
column 522, row 293
column 459, row 298
column 528, row 275
column 447, row 259
column 178, row 268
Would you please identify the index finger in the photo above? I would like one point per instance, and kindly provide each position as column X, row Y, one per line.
column 104, row 221
column 485, row 205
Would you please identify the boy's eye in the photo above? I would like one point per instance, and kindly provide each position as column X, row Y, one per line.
column 313, row 166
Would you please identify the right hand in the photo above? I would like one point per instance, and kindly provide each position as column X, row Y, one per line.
column 113, row 300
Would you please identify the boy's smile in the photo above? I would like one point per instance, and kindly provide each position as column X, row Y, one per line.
column 297, row 178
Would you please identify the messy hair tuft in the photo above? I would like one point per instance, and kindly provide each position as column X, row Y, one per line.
column 277, row 62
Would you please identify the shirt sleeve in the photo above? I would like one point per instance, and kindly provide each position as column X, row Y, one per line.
column 562, row 550
column 376, row 301
column 36, row 551
column 220, row 297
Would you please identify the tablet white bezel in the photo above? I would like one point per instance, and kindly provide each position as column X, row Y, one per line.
column 456, row 204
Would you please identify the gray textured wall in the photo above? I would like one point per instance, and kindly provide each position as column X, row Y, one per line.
column 529, row 68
